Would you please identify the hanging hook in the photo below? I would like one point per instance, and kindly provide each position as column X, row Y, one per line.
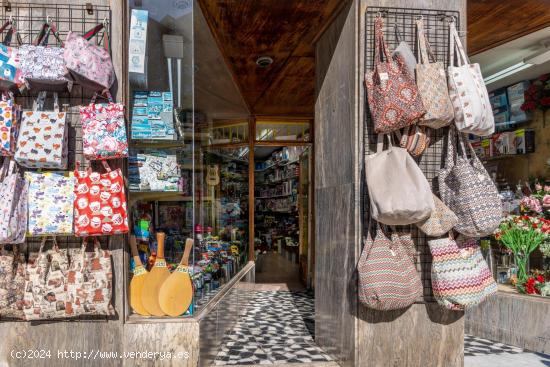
column 47, row 19
column 420, row 17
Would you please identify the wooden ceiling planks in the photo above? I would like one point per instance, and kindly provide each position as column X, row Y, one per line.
column 494, row 22
column 281, row 29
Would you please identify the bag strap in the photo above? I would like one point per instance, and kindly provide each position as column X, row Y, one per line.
column 451, row 148
column 467, row 146
column 455, row 43
column 6, row 165
column 48, row 28
column 424, row 51
column 379, row 42
column 38, row 104
column 398, row 37
column 104, row 94
column 95, row 30
column 380, row 142
column 43, row 243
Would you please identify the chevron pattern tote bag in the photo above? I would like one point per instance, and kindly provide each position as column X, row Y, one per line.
column 388, row 279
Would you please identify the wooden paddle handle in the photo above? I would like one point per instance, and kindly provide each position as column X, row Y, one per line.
column 188, row 247
column 160, row 244
column 133, row 248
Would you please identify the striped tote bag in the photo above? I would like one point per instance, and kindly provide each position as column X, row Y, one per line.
column 388, row 279
column 460, row 276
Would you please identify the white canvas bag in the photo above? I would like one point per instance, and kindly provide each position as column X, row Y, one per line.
column 398, row 190
column 472, row 108
column 13, row 204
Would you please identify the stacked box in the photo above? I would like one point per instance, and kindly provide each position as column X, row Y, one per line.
column 524, row 141
column 516, row 97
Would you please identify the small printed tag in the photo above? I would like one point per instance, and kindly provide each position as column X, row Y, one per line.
column 160, row 263
column 182, row 269
column 383, row 76
column 139, row 270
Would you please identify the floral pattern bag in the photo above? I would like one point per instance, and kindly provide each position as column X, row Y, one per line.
column 12, row 282
column 10, row 71
column 100, row 203
column 45, row 285
column 50, row 203
column 89, row 282
column 43, row 66
column 10, row 115
column 88, row 64
column 13, row 211
column 103, row 130
column 43, row 137
column 393, row 97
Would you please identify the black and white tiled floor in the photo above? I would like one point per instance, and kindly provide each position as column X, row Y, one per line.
column 486, row 353
column 277, row 328
column 474, row 346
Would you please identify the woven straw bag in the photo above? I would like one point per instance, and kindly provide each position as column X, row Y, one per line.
column 388, row 279
column 440, row 222
column 468, row 190
column 432, row 84
column 460, row 276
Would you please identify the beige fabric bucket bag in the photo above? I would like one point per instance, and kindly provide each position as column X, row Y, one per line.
column 398, row 190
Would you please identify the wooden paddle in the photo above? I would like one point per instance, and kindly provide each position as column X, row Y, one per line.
column 176, row 293
column 136, row 284
column 153, row 281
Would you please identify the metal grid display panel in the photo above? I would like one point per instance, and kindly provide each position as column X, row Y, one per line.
column 437, row 29
column 29, row 18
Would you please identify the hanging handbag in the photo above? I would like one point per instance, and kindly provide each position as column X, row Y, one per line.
column 43, row 137
column 388, row 279
column 43, row 66
column 414, row 139
column 13, row 211
column 89, row 64
column 468, row 190
column 103, row 130
column 393, row 97
column 432, row 84
column 468, row 93
column 50, row 203
column 12, row 282
column 441, row 221
column 100, row 203
column 89, row 282
column 10, row 72
column 460, row 276
column 398, row 190
column 45, row 288
column 10, row 117
column 404, row 50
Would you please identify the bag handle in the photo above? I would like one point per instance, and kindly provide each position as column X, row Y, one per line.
column 398, row 36
column 379, row 42
column 43, row 243
column 97, row 247
column 12, row 31
column 89, row 169
column 468, row 147
column 451, row 148
column 380, row 142
column 47, row 28
column 95, row 30
column 454, row 42
column 104, row 94
column 424, row 50
column 38, row 104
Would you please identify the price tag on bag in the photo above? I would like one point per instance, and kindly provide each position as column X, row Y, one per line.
column 383, row 76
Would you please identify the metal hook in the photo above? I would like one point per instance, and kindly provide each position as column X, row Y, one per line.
column 420, row 17
column 48, row 19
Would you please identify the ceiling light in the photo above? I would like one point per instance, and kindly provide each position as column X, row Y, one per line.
column 264, row 61
column 507, row 72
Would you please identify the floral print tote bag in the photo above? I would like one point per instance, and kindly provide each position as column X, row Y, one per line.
column 100, row 203
column 103, row 130
column 50, row 203
column 13, row 207
column 43, row 137
column 10, row 115
column 10, row 72
column 89, row 64
column 89, row 282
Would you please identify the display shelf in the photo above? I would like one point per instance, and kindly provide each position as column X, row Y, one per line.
column 275, row 182
column 277, row 164
column 274, row 196
column 504, row 156
column 162, row 196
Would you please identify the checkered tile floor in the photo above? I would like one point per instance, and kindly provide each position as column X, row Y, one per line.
column 486, row 353
column 277, row 328
column 474, row 346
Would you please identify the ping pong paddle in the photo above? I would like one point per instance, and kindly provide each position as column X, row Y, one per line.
column 136, row 284
column 176, row 293
column 153, row 281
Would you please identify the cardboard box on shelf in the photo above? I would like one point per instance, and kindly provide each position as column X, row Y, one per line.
column 478, row 149
column 524, row 141
column 498, row 98
column 516, row 92
column 487, row 145
column 500, row 144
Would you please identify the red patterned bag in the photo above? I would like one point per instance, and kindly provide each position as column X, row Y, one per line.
column 394, row 100
column 100, row 203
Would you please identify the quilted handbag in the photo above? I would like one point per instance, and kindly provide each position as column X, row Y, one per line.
column 432, row 84
column 88, row 64
column 393, row 97
column 468, row 190
column 472, row 108
column 43, row 137
column 11, row 77
column 50, row 203
column 13, row 211
column 398, row 190
column 103, row 130
column 440, row 222
column 10, row 117
column 12, row 282
column 388, row 279
column 89, row 282
column 414, row 139
column 404, row 51
column 460, row 276
column 45, row 287
column 43, row 66
column 100, row 203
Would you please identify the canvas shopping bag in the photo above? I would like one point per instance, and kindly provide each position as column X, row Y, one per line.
column 89, row 282
column 460, row 276
column 12, row 282
column 43, row 137
column 468, row 93
column 398, row 190
column 404, row 51
column 89, row 64
column 393, row 97
column 45, row 288
column 10, row 71
column 42, row 66
column 100, row 203
column 468, row 190
column 13, row 204
column 10, row 116
column 432, row 84
column 104, row 130
column 50, row 203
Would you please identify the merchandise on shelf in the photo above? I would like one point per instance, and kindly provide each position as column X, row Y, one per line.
column 154, row 170
column 153, row 115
